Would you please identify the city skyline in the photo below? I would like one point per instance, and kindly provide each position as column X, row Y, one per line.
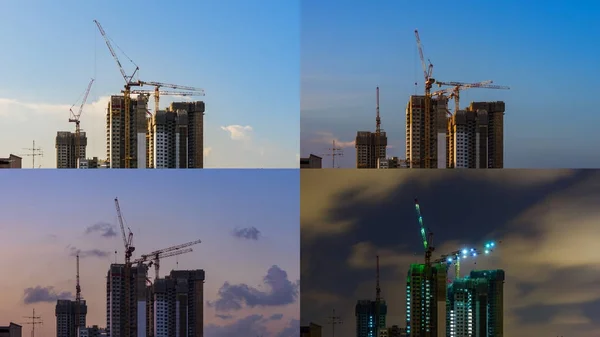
column 372, row 44
column 53, row 214
column 544, row 222
column 252, row 99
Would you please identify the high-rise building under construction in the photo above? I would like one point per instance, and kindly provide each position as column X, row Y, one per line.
column 115, row 132
column 426, row 301
column 175, row 136
column 115, row 301
column 66, row 149
column 475, row 305
column 368, row 150
column 416, row 152
column 366, row 317
column 476, row 136
column 66, row 314
column 175, row 305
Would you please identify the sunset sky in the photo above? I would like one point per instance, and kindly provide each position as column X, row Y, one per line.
column 247, row 221
column 547, row 222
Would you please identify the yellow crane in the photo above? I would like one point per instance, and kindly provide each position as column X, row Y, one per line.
column 126, row 93
column 458, row 86
column 75, row 117
column 191, row 91
column 429, row 80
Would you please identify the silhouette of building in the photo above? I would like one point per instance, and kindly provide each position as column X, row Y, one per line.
column 426, row 301
column 366, row 317
column 312, row 330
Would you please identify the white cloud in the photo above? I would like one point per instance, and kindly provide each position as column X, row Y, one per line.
column 207, row 151
column 327, row 138
column 238, row 132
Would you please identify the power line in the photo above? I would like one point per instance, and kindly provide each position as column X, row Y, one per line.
column 334, row 320
column 35, row 152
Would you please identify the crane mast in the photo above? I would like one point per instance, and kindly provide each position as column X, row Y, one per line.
column 428, row 246
column 377, row 301
column 377, row 131
column 126, row 93
column 77, row 301
column 127, row 241
column 75, row 119
column 429, row 80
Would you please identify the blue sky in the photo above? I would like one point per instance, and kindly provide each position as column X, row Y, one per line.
column 48, row 212
column 245, row 56
column 545, row 52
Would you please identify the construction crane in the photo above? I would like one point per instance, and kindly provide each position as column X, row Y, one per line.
column 77, row 300
column 458, row 86
column 429, row 80
column 127, row 241
column 429, row 249
column 126, row 93
column 155, row 256
column 455, row 257
column 160, row 256
column 75, row 119
column 377, row 131
column 157, row 92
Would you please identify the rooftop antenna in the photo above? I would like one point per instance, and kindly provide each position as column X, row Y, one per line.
column 35, row 320
column 333, row 321
column 35, row 152
column 335, row 152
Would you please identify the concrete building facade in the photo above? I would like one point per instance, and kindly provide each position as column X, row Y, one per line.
column 115, row 131
column 66, row 149
column 115, row 301
column 311, row 161
column 11, row 162
column 191, row 132
column 366, row 318
column 475, row 305
column 12, row 330
column 475, row 136
column 415, row 132
column 311, row 330
column 66, row 315
column 175, row 305
column 426, row 301
column 368, row 150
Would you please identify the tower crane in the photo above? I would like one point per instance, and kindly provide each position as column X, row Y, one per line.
column 160, row 256
column 157, row 92
column 75, row 119
column 77, row 300
column 155, row 256
column 377, row 132
column 458, row 86
column 126, row 93
column 428, row 246
column 127, row 241
column 429, row 80
column 457, row 256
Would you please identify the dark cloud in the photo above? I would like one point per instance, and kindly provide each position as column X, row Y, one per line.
column 248, row 326
column 281, row 291
column 250, row 233
column 105, row 229
column 541, row 222
column 276, row 317
column 74, row 251
column 292, row 330
column 224, row 316
column 44, row 295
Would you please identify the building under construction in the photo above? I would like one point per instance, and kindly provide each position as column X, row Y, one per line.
column 175, row 305
column 176, row 136
column 66, row 149
column 115, row 131
column 475, row 305
column 366, row 317
column 416, row 133
column 66, row 314
column 368, row 150
column 476, row 136
column 426, row 301
column 115, row 301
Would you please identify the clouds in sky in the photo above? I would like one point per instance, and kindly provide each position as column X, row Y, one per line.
column 40, row 294
column 249, row 233
column 546, row 220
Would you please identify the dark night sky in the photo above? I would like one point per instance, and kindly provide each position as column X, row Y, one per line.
column 548, row 222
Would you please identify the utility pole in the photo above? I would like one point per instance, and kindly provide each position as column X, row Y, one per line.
column 35, row 320
column 335, row 152
column 377, row 302
column 35, row 152
column 333, row 321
